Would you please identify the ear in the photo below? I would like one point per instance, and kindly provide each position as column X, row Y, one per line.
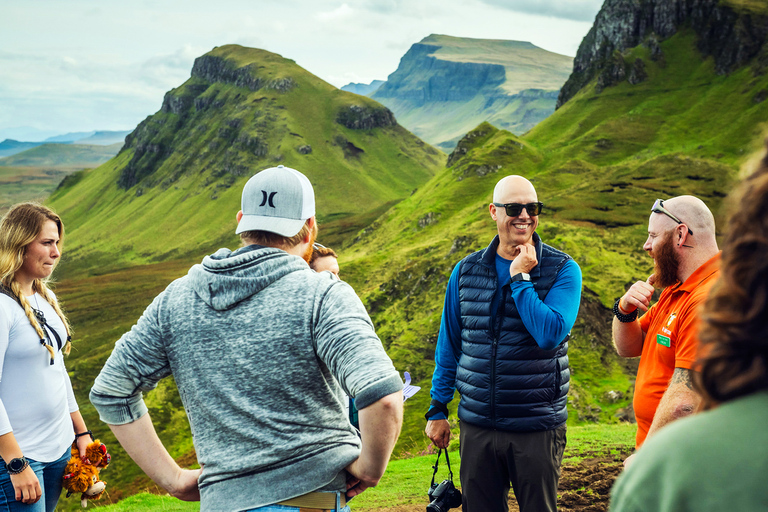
column 239, row 216
column 310, row 224
column 492, row 209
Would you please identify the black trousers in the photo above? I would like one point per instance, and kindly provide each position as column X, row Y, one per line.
column 491, row 460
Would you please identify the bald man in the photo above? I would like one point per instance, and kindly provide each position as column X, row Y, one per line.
column 681, row 241
column 502, row 344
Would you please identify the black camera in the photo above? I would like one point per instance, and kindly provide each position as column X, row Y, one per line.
column 443, row 496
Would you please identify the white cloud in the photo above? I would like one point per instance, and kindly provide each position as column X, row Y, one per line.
column 577, row 10
column 343, row 12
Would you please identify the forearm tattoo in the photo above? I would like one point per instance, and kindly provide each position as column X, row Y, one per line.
column 682, row 376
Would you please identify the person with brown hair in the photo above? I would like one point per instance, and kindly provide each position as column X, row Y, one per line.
column 39, row 416
column 324, row 258
column 718, row 459
column 681, row 240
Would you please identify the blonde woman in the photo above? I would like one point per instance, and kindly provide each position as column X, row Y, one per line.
column 39, row 417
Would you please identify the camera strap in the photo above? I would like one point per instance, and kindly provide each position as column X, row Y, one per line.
column 448, row 462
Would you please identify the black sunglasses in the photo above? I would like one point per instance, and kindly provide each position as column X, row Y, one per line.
column 658, row 207
column 514, row 209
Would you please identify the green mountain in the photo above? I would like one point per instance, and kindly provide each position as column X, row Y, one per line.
column 173, row 187
column 445, row 86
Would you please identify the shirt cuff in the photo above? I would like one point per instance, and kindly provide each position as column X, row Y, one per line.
column 118, row 410
column 379, row 390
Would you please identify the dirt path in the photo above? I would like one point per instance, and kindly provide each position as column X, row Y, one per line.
column 585, row 487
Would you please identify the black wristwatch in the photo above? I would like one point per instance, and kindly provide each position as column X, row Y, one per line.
column 520, row 276
column 17, row 465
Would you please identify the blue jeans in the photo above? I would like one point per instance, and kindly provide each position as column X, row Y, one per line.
column 50, row 475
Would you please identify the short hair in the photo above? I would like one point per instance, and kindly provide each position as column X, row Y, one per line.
column 269, row 239
column 734, row 330
column 320, row 251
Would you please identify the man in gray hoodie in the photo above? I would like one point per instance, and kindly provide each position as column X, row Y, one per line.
column 263, row 351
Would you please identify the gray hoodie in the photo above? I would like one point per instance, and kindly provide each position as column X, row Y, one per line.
column 258, row 344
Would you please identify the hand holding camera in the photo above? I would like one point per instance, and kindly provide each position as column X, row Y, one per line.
column 443, row 496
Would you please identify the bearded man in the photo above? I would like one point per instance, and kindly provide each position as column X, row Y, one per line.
column 681, row 241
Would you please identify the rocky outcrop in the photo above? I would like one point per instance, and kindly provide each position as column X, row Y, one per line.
column 150, row 151
column 362, row 117
column 217, row 69
column 731, row 38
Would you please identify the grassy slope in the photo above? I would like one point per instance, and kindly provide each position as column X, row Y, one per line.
column 34, row 173
column 19, row 184
column 598, row 164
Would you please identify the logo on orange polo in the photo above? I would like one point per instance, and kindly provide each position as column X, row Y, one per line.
column 671, row 319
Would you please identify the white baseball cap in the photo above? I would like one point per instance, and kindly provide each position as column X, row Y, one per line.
column 278, row 200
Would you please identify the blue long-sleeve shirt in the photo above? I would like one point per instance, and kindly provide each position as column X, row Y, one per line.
column 548, row 321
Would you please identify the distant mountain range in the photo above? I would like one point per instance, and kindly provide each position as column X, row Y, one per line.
column 445, row 86
column 363, row 89
column 10, row 147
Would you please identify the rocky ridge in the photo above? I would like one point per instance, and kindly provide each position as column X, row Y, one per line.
column 731, row 38
column 445, row 86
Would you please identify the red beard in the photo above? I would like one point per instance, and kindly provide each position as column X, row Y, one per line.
column 666, row 262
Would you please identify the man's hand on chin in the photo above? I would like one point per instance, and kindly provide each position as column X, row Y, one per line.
column 525, row 259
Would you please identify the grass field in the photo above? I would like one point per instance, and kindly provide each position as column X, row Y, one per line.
column 405, row 484
column 18, row 184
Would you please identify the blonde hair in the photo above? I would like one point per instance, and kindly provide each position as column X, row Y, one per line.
column 20, row 226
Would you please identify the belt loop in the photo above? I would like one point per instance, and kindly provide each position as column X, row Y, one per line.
column 338, row 501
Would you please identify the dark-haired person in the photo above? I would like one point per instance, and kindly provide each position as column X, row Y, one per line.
column 324, row 258
column 681, row 241
column 258, row 344
column 718, row 460
column 39, row 417
column 508, row 312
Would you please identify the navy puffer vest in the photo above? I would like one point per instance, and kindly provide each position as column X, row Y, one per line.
column 505, row 380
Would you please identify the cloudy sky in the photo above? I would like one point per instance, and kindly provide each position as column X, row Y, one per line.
column 82, row 65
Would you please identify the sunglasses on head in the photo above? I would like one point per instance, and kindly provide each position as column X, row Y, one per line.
column 514, row 209
column 658, row 207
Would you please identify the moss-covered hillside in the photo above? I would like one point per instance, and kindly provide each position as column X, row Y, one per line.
column 175, row 187
column 598, row 164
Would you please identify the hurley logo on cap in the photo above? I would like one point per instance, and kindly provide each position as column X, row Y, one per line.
column 278, row 200
column 268, row 198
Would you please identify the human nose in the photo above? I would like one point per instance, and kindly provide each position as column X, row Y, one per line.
column 647, row 245
column 55, row 252
column 524, row 213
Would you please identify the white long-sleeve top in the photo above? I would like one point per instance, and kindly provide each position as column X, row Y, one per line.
column 36, row 398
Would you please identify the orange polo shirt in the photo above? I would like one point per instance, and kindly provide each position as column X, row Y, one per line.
column 671, row 328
